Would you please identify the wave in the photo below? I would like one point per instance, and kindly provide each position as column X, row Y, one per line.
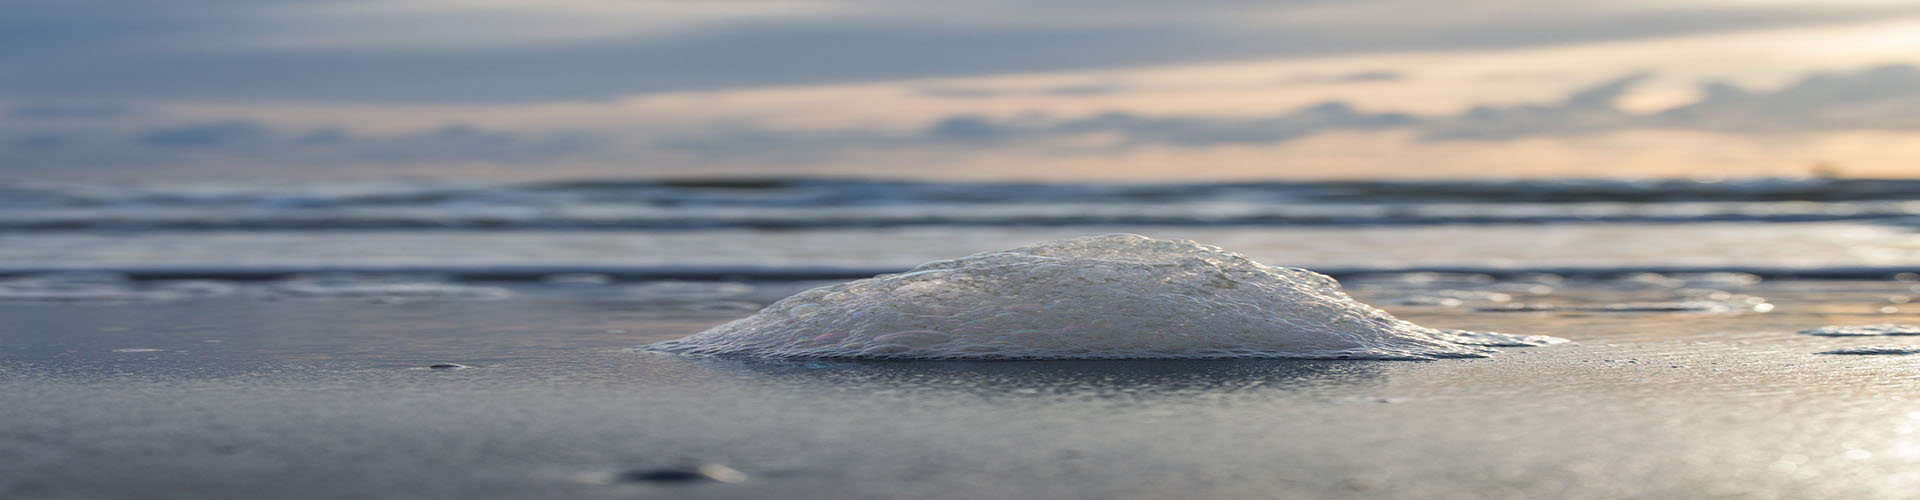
column 1654, row 275
column 1030, row 215
column 788, row 192
column 831, row 203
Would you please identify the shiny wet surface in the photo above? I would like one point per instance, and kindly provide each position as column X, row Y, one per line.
column 256, row 395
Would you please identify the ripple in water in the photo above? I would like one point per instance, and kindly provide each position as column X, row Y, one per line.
column 383, row 288
column 1880, row 350
column 1105, row 297
column 103, row 288
column 1863, row 330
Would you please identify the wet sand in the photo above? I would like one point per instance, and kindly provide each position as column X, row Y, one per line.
column 245, row 397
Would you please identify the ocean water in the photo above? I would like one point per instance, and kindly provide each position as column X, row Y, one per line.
column 736, row 246
column 842, row 229
column 1743, row 339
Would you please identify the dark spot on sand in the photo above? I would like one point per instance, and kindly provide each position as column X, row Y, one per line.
column 1518, row 308
column 685, row 474
column 1876, row 350
column 1661, row 307
column 665, row 476
column 1645, row 307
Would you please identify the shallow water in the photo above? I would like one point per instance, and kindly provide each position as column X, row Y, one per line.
column 474, row 340
column 713, row 253
column 260, row 394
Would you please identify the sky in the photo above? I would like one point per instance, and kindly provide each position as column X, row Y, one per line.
column 137, row 90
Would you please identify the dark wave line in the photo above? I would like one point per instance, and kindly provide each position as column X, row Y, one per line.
column 841, row 192
column 536, row 273
column 559, row 224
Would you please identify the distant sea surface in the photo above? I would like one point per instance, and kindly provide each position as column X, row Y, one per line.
column 830, row 228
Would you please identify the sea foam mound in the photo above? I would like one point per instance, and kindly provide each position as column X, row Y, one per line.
column 1104, row 297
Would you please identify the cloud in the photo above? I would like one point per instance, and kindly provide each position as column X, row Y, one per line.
column 1885, row 97
column 1585, row 110
column 1101, row 88
column 206, row 135
column 971, row 129
column 1131, row 129
column 1116, row 132
column 247, row 142
column 1353, row 77
column 71, row 111
column 121, row 50
column 1200, row 131
column 1081, row 89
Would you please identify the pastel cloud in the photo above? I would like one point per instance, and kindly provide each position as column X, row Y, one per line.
column 1881, row 98
column 231, row 142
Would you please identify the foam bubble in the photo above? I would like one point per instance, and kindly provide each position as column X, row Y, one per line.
column 1103, row 297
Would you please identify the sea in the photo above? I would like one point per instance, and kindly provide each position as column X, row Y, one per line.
column 821, row 228
column 1748, row 339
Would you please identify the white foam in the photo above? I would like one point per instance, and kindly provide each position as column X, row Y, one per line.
column 384, row 288
column 1102, row 297
column 680, row 292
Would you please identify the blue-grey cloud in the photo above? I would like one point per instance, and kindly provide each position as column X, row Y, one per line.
column 972, row 92
column 71, row 111
column 1098, row 88
column 206, row 135
column 1201, row 131
column 1378, row 75
column 1879, row 98
column 1586, row 109
column 141, row 49
column 232, row 142
column 968, row 132
column 1886, row 97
